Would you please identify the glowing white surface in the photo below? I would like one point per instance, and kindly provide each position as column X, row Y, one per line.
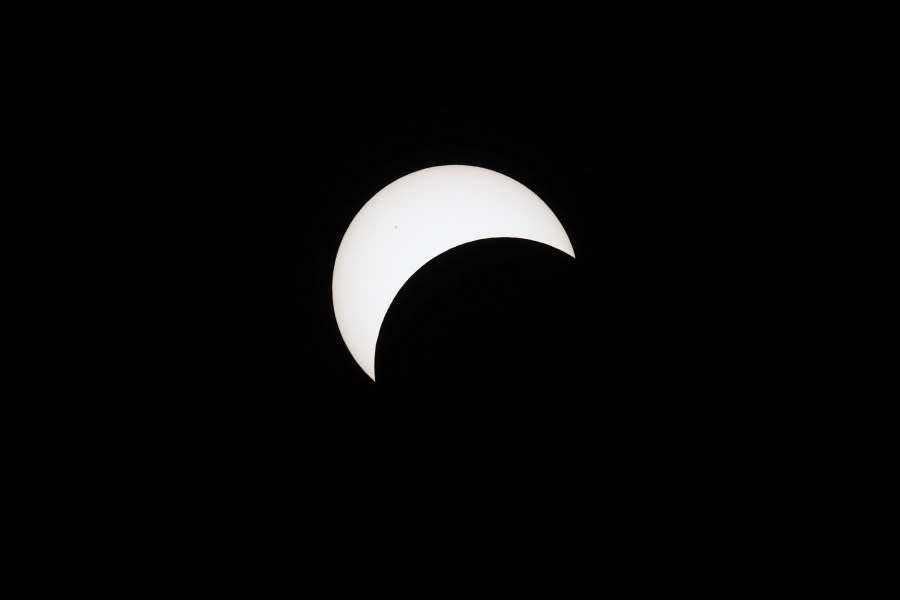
column 413, row 220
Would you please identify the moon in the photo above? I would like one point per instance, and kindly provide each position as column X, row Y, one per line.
column 415, row 219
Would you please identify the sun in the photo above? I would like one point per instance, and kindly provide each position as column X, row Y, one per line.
column 415, row 219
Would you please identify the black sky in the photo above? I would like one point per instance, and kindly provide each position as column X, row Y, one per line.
column 524, row 399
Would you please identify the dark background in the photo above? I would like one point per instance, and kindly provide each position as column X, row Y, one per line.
column 526, row 401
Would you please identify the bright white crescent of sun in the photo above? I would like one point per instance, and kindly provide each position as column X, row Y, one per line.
column 415, row 219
